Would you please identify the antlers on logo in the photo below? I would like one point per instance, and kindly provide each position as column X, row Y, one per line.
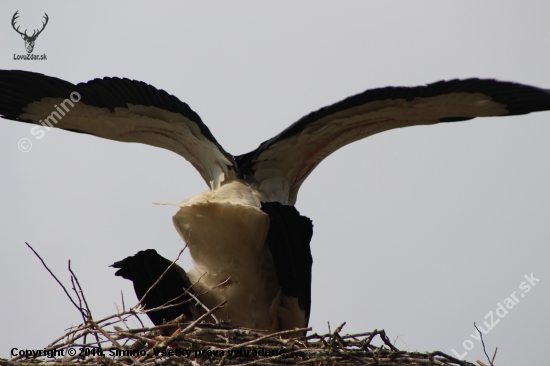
column 29, row 40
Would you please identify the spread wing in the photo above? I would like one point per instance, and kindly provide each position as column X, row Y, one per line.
column 281, row 164
column 116, row 109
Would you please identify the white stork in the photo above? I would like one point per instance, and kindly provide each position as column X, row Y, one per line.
column 250, row 246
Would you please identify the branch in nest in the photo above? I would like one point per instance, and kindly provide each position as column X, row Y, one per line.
column 197, row 342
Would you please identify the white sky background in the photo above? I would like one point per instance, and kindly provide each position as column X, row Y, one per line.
column 420, row 231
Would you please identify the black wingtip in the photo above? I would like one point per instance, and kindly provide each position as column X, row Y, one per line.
column 19, row 89
column 516, row 98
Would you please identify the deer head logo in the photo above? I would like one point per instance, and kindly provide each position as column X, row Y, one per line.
column 29, row 40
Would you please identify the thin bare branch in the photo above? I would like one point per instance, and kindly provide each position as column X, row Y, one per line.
column 51, row 273
column 160, row 278
column 483, row 344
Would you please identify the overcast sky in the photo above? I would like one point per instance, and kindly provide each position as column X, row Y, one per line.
column 420, row 231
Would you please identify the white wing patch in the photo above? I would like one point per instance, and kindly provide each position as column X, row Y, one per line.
column 143, row 124
column 281, row 169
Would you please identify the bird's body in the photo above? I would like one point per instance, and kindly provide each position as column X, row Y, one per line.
column 231, row 252
column 250, row 246
column 226, row 230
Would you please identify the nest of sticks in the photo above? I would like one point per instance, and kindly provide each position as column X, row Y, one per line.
column 200, row 343
column 111, row 341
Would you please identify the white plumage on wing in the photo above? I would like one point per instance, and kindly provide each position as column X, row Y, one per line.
column 250, row 246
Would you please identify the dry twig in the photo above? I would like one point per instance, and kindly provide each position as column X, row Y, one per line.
column 202, row 343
